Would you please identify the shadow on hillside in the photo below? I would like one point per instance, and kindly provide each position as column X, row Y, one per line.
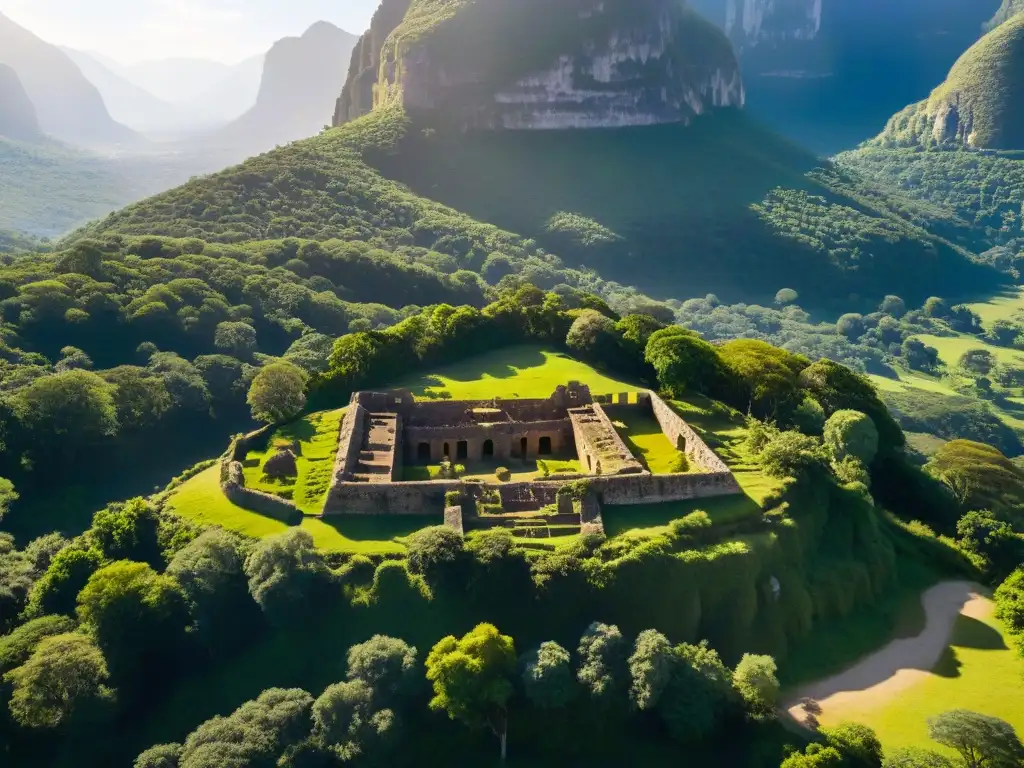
column 500, row 364
column 377, row 527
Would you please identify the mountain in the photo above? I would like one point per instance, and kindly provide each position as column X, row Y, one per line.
column 206, row 92
column 18, row 118
column 302, row 77
column 829, row 73
column 69, row 107
column 485, row 65
column 1007, row 10
column 981, row 102
column 127, row 102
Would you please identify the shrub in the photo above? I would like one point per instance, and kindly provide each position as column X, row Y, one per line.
column 503, row 474
column 851, row 434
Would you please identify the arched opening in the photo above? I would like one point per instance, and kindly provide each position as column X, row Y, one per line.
column 447, row 451
column 524, row 447
column 423, row 453
column 462, row 450
column 488, row 449
column 545, row 446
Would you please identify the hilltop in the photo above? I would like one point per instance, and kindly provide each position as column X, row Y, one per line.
column 981, row 103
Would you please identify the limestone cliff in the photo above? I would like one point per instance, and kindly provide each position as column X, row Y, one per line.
column 750, row 23
column 543, row 64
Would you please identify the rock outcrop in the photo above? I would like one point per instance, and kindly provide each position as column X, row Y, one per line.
column 543, row 64
column 750, row 23
column 979, row 106
column 17, row 114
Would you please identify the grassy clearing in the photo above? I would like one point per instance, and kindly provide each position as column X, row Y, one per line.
column 318, row 437
column 643, row 436
column 200, row 499
column 1001, row 307
column 725, row 432
column 952, row 347
column 522, row 471
column 979, row 671
column 524, row 372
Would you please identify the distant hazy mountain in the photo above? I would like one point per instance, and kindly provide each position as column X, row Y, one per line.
column 212, row 92
column 18, row 118
column 69, row 107
column 302, row 78
column 127, row 102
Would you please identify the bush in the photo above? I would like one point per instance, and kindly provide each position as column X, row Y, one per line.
column 503, row 474
column 851, row 434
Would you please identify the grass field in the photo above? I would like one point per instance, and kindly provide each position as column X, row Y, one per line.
column 525, row 372
column 200, row 499
column 318, row 437
column 643, row 436
column 979, row 671
column 1000, row 307
column 522, row 471
column 725, row 432
column 952, row 347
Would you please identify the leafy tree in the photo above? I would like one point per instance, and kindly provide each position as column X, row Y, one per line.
column 919, row 355
column 636, row 330
column 893, row 305
column 160, row 756
column 141, row 396
column 791, row 454
column 978, row 361
column 683, row 361
column 211, row 573
column 765, row 377
column 472, row 679
column 851, row 325
column 255, row 734
column 67, row 412
column 980, row 476
column 438, row 554
column 786, row 296
column 755, row 680
column 387, row 666
column 128, row 532
column 699, row 694
column 547, row 676
column 602, row 663
column 914, row 757
column 346, row 723
column 1009, row 598
column 999, row 547
column 651, row 667
column 66, row 674
column 285, row 573
column 138, row 618
column 857, row 742
column 851, row 434
column 815, row 756
column 17, row 647
column 278, row 392
column 809, row 416
column 936, row 307
column 594, row 337
column 236, row 339
column 57, row 591
column 838, row 388
column 980, row 740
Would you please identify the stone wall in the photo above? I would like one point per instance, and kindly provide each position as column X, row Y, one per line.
column 600, row 448
column 506, row 438
column 626, row 490
column 426, row 498
column 232, row 485
column 681, row 435
column 350, row 439
column 397, row 461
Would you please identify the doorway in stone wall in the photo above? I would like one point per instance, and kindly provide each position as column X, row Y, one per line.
column 423, row 453
column 488, row 449
column 524, row 448
column 462, row 450
column 545, row 446
column 447, row 451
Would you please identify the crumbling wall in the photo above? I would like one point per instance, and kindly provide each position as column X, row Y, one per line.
column 425, row 498
column 625, row 490
column 681, row 435
column 599, row 445
column 232, row 485
column 350, row 441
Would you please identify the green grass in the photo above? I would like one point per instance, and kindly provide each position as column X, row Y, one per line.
column 952, row 347
column 1003, row 306
column 523, row 372
column 201, row 499
column 318, row 437
column 643, row 436
column 979, row 671
column 725, row 432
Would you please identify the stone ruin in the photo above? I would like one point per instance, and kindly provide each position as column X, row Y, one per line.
column 383, row 432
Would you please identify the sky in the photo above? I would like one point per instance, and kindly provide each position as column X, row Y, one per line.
column 223, row 30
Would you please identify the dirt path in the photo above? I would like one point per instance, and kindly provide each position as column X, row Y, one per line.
column 900, row 664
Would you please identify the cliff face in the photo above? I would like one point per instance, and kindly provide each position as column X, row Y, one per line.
column 750, row 23
column 543, row 64
column 17, row 115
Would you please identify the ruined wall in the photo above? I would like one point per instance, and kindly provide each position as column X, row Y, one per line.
column 626, row 490
column 598, row 443
column 232, row 485
column 397, row 460
column 506, row 436
column 426, row 498
column 674, row 427
column 350, row 440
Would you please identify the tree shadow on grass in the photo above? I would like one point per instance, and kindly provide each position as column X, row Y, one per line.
column 971, row 633
column 500, row 364
column 722, row 510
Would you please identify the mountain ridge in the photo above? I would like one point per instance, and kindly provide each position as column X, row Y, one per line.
column 18, row 119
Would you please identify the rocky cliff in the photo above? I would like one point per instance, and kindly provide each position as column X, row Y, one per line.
column 17, row 115
column 1007, row 11
column 543, row 64
column 981, row 103
column 750, row 23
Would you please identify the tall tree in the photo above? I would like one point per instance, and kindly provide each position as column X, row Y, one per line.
column 472, row 679
column 278, row 392
column 980, row 740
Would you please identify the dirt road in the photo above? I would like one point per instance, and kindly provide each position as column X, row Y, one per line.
column 901, row 663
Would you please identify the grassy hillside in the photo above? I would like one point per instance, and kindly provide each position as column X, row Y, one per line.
column 721, row 206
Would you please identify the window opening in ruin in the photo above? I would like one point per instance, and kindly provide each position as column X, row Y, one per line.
column 462, row 450
column 447, row 451
column 590, row 464
column 423, row 453
column 545, row 446
column 524, row 447
column 488, row 449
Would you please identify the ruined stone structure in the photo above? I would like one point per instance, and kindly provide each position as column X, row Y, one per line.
column 383, row 432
